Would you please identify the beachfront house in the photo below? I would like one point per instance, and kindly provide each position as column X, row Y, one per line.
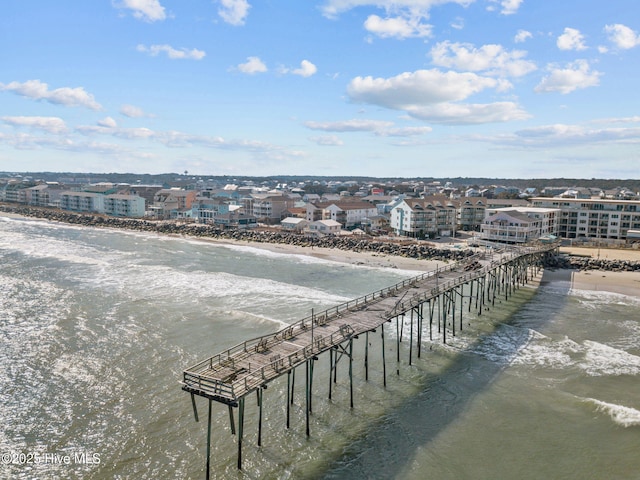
column 294, row 224
column 349, row 213
column 325, row 227
column 520, row 225
column 172, row 203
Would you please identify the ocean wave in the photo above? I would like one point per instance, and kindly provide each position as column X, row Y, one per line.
column 621, row 415
column 594, row 299
column 595, row 359
column 601, row 359
column 542, row 351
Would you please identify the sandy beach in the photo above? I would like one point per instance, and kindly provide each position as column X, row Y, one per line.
column 369, row 259
column 625, row 283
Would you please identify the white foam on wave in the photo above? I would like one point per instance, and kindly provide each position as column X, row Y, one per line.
column 594, row 299
column 242, row 315
column 602, row 360
column 542, row 351
column 621, row 415
column 47, row 247
column 595, row 359
column 506, row 344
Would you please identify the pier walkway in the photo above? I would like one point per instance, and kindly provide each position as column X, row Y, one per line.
column 231, row 375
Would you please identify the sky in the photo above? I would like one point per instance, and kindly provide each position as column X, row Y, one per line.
column 383, row 88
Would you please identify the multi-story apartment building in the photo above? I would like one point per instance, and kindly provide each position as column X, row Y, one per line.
column 268, row 208
column 592, row 218
column 124, row 205
column 82, row 202
column 115, row 204
column 520, row 224
column 471, row 213
column 420, row 217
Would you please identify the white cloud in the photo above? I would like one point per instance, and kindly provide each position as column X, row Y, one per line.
column 397, row 27
column 349, row 125
column 126, row 133
column 458, row 23
column 421, row 87
column 469, row 113
column 49, row 124
column 522, row 36
column 252, row 66
column 429, row 95
column 306, row 69
column 575, row 76
column 379, row 127
column 147, row 10
column 571, row 39
column 509, row 7
column 569, row 135
column 37, row 90
column 234, row 12
column 132, row 111
column 332, row 8
column 108, row 122
column 622, row 36
column 327, row 140
column 172, row 53
column 404, row 131
column 491, row 59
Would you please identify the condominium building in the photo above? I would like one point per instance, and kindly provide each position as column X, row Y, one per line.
column 124, row 205
column 593, row 218
column 421, row 217
column 82, row 202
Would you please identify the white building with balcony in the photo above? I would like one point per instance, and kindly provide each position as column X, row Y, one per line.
column 520, row 224
column 594, row 218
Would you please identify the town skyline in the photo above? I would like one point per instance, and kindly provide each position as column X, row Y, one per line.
column 397, row 89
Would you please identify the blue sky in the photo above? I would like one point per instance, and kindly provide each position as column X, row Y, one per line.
column 406, row 88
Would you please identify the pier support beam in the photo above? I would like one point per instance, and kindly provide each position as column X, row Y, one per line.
column 195, row 409
column 240, row 430
column 366, row 357
column 259, row 391
column 208, row 473
column 288, row 396
column 384, row 363
column 308, row 396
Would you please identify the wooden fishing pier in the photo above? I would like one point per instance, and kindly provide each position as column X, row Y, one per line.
column 437, row 297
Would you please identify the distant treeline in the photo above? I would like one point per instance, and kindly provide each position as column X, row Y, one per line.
column 186, row 179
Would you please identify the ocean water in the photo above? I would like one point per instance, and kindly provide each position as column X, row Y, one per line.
column 97, row 325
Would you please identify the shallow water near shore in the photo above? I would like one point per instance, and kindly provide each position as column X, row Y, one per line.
column 97, row 326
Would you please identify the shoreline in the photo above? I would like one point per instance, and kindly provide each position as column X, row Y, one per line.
column 363, row 259
column 621, row 282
